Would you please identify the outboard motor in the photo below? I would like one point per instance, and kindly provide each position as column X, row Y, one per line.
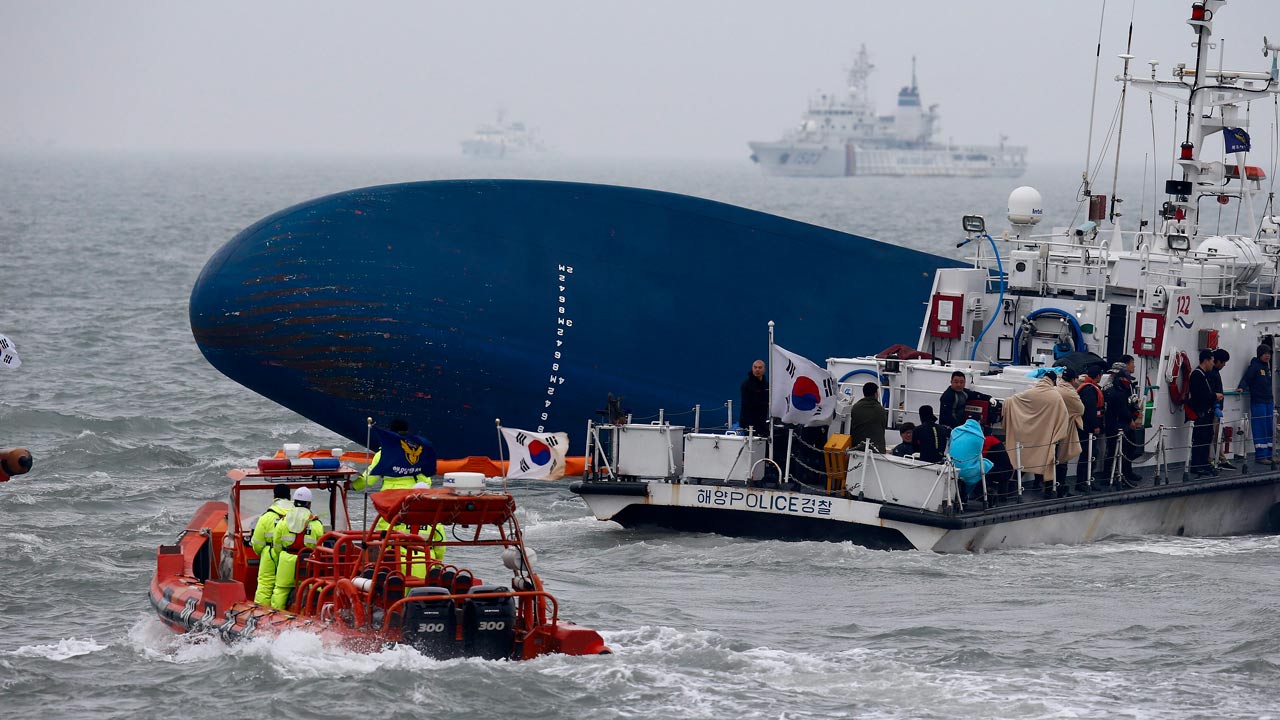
column 431, row 626
column 488, row 624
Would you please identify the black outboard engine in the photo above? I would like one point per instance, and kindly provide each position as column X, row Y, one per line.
column 488, row 624
column 431, row 626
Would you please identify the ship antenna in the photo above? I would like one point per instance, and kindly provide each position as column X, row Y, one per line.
column 1093, row 101
column 1124, row 90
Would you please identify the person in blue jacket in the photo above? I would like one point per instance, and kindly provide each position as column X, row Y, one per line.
column 1257, row 382
column 965, row 449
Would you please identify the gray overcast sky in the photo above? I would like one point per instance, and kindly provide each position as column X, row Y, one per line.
column 677, row 78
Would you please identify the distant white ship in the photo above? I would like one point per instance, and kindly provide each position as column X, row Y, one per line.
column 501, row 139
column 841, row 135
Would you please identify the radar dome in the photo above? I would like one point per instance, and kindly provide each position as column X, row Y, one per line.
column 1025, row 206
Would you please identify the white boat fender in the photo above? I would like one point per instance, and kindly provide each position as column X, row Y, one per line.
column 511, row 559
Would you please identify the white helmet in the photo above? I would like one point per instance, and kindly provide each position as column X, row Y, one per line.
column 421, row 486
column 302, row 494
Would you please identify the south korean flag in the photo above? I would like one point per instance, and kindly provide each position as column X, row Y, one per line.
column 9, row 353
column 536, row 456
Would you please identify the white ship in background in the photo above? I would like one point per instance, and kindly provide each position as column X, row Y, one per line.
column 502, row 139
column 841, row 136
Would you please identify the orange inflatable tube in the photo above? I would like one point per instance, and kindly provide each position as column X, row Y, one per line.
column 14, row 461
column 574, row 465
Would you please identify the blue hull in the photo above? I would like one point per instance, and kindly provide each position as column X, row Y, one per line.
column 454, row 303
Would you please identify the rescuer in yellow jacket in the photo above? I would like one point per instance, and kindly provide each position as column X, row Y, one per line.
column 262, row 542
column 416, row 566
column 366, row 480
column 297, row 530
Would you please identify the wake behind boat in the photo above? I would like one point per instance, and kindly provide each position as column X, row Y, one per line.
column 841, row 135
column 1164, row 304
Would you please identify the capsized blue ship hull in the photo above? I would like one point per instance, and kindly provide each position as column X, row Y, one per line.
column 453, row 303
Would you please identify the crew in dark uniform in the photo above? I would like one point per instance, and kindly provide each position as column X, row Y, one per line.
column 755, row 400
column 1201, row 405
column 1121, row 419
column 951, row 406
column 929, row 438
column 1092, row 424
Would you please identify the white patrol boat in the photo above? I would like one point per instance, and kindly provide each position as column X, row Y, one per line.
column 841, row 135
column 1161, row 292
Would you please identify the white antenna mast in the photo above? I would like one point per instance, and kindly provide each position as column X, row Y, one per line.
column 1093, row 101
column 1124, row 91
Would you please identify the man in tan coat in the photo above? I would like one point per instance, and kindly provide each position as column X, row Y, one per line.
column 1036, row 419
column 1069, row 449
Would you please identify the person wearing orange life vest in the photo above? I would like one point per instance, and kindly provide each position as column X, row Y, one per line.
column 296, row 531
column 262, row 542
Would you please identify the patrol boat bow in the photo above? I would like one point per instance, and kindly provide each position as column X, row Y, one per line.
column 1161, row 294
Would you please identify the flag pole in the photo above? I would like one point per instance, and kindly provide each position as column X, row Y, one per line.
column 497, row 424
column 368, row 440
column 769, row 371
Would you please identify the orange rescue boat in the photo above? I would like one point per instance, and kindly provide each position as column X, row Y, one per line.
column 368, row 588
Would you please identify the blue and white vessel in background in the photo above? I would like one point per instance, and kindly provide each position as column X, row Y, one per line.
column 1161, row 289
column 841, row 135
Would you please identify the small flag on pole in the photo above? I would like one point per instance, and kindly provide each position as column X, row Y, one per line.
column 803, row 393
column 536, row 456
column 9, row 353
column 1236, row 140
column 403, row 455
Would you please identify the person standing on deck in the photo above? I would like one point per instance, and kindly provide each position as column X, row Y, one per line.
column 398, row 449
column 1257, row 382
column 1036, row 421
column 951, row 406
column 263, row 542
column 296, row 531
column 1092, row 422
column 1200, row 409
column 867, row 419
column 1121, row 423
column 415, row 564
column 755, row 401
column 1220, row 358
column 1069, row 448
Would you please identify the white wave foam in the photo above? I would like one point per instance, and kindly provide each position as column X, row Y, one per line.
column 61, row 650
column 23, row 538
column 294, row 654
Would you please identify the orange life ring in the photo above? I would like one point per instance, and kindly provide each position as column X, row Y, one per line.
column 1179, row 376
column 345, row 597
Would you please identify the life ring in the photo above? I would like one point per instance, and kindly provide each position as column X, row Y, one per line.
column 345, row 597
column 1179, row 376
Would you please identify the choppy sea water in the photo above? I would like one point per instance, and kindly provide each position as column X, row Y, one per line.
column 132, row 431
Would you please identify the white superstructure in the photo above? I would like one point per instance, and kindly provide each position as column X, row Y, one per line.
column 1161, row 290
column 841, row 135
column 501, row 139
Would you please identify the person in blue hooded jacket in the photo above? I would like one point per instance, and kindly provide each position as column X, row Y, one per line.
column 965, row 450
column 1257, row 382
